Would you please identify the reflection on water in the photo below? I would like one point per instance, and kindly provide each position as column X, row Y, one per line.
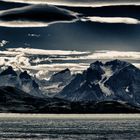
column 69, row 128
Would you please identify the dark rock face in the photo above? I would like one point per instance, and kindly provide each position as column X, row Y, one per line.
column 126, row 84
column 64, row 71
column 24, row 75
column 8, row 71
column 117, row 64
column 35, row 85
column 62, row 76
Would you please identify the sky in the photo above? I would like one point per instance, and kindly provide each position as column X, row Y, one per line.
column 45, row 37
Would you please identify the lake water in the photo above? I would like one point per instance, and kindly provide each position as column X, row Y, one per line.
column 70, row 127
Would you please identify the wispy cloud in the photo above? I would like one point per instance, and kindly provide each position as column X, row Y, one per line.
column 44, row 52
column 125, row 20
column 110, row 54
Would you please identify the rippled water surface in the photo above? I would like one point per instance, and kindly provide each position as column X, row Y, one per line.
column 69, row 128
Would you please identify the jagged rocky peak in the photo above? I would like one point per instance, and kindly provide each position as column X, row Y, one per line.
column 24, row 75
column 98, row 69
column 95, row 71
column 96, row 64
column 117, row 64
column 8, row 71
column 61, row 76
column 65, row 70
column 114, row 64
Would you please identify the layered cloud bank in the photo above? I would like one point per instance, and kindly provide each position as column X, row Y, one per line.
column 48, row 61
column 47, row 13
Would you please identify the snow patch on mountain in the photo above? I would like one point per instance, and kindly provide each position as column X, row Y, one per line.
column 108, row 73
column 127, row 89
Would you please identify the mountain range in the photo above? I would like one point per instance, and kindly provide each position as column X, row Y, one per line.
column 114, row 80
column 111, row 87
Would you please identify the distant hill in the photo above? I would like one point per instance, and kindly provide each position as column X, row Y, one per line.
column 13, row 100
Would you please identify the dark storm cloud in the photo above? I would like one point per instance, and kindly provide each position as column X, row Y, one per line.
column 35, row 15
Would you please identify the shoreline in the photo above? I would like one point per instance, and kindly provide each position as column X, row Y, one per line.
column 69, row 116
